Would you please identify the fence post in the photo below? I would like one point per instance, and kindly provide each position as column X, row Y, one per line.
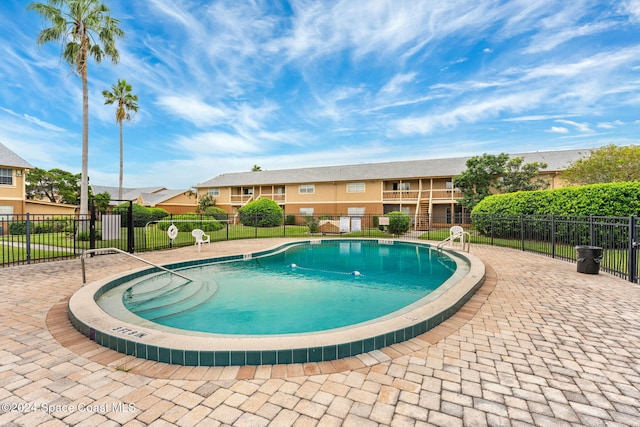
column 130, row 229
column 553, row 236
column 522, row 232
column 28, row 238
column 633, row 250
column 492, row 216
column 591, row 239
column 92, row 227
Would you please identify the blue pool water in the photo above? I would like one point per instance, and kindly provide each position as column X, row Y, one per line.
column 305, row 288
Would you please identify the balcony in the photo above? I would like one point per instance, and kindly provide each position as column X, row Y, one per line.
column 415, row 195
column 243, row 199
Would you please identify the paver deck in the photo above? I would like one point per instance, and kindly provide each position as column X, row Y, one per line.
column 540, row 344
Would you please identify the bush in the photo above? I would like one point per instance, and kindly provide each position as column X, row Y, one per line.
column 189, row 222
column 500, row 215
column 399, row 222
column 261, row 213
column 312, row 223
column 85, row 236
column 218, row 213
column 142, row 215
column 615, row 199
column 290, row 220
column 54, row 225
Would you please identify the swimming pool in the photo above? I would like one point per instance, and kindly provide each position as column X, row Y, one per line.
column 304, row 288
column 418, row 307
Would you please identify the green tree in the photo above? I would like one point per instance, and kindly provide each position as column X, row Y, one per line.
column 604, row 165
column 101, row 201
column 491, row 173
column 205, row 201
column 519, row 177
column 256, row 168
column 86, row 30
column 480, row 177
column 125, row 101
column 55, row 185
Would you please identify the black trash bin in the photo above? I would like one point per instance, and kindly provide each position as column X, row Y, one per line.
column 589, row 258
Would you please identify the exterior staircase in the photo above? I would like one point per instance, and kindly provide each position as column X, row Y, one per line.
column 422, row 215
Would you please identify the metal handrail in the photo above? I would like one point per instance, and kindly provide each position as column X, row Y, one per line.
column 93, row 251
column 452, row 237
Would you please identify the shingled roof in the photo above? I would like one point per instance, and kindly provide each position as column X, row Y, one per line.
column 11, row 159
column 555, row 160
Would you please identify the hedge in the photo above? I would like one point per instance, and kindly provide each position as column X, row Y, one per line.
column 500, row 215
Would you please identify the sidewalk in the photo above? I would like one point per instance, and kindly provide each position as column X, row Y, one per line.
column 539, row 344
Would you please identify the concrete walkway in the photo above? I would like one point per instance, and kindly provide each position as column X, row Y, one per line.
column 539, row 344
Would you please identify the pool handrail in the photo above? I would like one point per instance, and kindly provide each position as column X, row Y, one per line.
column 93, row 251
column 459, row 234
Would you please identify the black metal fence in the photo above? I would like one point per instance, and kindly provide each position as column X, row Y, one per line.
column 26, row 239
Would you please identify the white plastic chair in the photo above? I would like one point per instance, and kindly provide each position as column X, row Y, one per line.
column 456, row 232
column 200, row 238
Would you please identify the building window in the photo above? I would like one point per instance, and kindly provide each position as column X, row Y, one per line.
column 355, row 211
column 355, row 187
column 6, row 176
column 401, row 186
column 306, row 211
column 280, row 190
column 214, row 192
column 307, row 188
column 247, row 191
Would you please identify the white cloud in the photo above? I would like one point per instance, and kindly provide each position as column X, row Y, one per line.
column 610, row 125
column 470, row 112
column 34, row 120
column 192, row 109
column 558, row 129
column 395, row 85
column 581, row 127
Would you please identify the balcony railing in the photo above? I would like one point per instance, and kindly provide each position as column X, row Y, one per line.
column 414, row 195
column 242, row 199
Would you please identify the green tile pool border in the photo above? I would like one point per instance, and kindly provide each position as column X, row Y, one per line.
column 263, row 357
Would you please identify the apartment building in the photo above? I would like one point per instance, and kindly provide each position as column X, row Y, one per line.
column 12, row 182
column 421, row 188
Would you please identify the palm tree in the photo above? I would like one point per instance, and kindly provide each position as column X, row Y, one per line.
column 121, row 95
column 86, row 30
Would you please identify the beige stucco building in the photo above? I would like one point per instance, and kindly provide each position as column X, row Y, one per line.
column 13, row 169
column 421, row 188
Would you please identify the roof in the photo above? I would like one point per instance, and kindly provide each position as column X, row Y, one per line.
column 11, row 159
column 555, row 160
column 127, row 193
column 150, row 195
column 153, row 199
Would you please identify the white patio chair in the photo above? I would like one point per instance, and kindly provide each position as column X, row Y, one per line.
column 200, row 238
column 456, row 232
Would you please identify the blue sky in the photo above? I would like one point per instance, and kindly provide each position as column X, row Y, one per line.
column 224, row 85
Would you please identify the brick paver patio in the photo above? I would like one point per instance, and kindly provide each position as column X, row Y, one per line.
column 539, row 344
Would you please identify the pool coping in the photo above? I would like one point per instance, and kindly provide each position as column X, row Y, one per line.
column 203, row 349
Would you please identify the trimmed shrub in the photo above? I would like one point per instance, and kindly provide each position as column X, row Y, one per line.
column 500, row 215
column 142, row 215
column 614, row 199
column 218, row 213
column 261, row 213
column 189, row 222
column 399, row 222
